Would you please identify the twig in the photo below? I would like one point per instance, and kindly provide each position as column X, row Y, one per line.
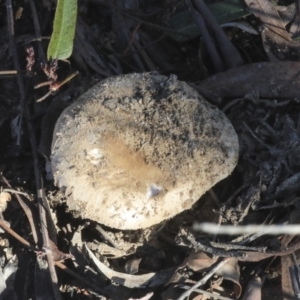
column 40, row 193
column 17, row 192
column 208, row 40
column 66, row 80
column 26, row 209
column 58, row 263
column 235, row 230
column 294, row 273
column 188, row 240
column 230, row 55
column 8, row 72
column 13, row 50
column 107, row 237
column 45, row 83
column 204, row 279
column 43, row 206
column 255, row 137
column 235, row 246
column 54, row 86
column 37, row 29
column 80, row 278
column 245, row 26
column 206, row 293
column 133, row 36
column 15, row 235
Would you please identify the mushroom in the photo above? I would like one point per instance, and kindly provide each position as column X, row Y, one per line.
column 138, row 149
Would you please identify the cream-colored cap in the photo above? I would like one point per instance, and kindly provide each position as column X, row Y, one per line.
column 137, row 149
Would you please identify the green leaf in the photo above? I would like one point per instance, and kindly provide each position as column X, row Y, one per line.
column 223, row 11
column 62, row 38
column 229, row 10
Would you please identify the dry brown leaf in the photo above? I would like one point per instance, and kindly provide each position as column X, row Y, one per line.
column 146, row 297
column 171, row 292
column 276, row 40
column 200, row 297
column 257, row 256
column 128, row 280
column 111, row 252
column 286, row 283
column 253, row 289
column 287, row 13
column 277, row 48
column 200, row 262
column 230, row 271
column 269, row 79
column 57, row 254
column 266, row 12
column 294, row 29
column 132, row 266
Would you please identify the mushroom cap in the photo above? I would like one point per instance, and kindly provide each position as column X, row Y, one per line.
column 137, row 149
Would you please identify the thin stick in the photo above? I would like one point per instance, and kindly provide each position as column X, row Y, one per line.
column 208, row 39
column 107, row 237
column 8, row 72
column 37, row 29
column 204, row 279
column 58, row 263
column 212, row 295
column 15, row 235
column 230, row 55
column 26, row 209
column 80, row 278
column 66, row 80
column 212, row 228
column 45, row 83
column 13, row 50
column 40, row 192
column 17, row 192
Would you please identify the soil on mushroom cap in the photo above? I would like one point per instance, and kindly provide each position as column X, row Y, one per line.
column 149, row 147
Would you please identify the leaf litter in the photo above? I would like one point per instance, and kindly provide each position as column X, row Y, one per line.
column 261, row 98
